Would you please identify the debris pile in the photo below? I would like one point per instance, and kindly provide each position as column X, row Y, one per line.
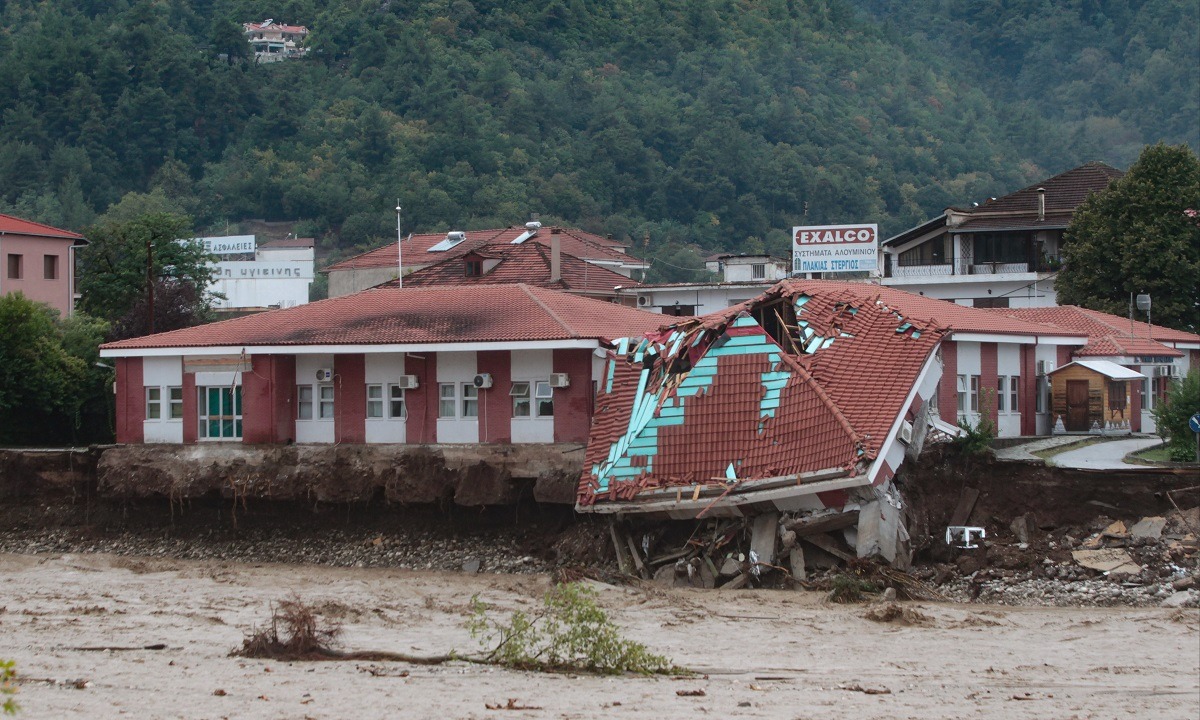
column 1153, row 561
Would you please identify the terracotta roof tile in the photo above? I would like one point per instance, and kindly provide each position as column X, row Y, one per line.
column 525, row 263
column 467, row 313
column 1065, row 191
column 16, row 226
column 417, row 249
column 1094, row 323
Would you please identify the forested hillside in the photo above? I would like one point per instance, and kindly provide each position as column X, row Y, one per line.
column 682, row 125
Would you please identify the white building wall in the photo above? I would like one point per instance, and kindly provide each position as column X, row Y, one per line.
column 1008, row 363
column 969, row 363
column 1048, row 355
column 163, row 373
column 457, row 368
column 382, row 369
column 532, row 365
column 315, row 430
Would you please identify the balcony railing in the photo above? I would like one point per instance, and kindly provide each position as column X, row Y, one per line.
column 967, row 265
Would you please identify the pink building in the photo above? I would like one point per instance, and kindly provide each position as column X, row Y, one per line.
column 39, row 261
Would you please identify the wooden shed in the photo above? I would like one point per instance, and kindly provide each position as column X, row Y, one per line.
column 1091, row 396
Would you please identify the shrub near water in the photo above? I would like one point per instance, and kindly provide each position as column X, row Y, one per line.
column 569, row 631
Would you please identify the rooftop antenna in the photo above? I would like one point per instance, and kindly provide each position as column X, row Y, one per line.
column 399, row 249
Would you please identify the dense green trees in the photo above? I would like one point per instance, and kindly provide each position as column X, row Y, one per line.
column 48, row 377
column 115, row 274
column 697, row 122
column 1171, row 417
column 1142, row 235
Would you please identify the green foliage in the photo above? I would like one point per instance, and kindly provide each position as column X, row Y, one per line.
column 1171, row 417
column 8, row 676
column 850, row 589
column 113, row 273
column 1139, row 237
column 46, row 376
column 703, row 123
column 977, row 439
column 569, row 631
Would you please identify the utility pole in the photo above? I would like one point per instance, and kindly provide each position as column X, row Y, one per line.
column 399, row 248
column 149, row 286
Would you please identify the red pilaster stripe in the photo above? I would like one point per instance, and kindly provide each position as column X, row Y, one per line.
column 131, row 400
column 573, row 405
column 988, row 377
column 191, row 411
column 495, row 403
column 948, row 385
column 350, row 398
column 421, row 427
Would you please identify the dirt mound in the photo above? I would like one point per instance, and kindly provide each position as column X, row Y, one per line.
column 894, row 613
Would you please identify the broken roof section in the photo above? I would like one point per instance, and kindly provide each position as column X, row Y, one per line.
column 805, row 384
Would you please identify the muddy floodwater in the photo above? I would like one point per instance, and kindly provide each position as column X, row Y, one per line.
column 757, row 654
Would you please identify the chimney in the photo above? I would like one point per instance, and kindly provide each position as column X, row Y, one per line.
column 1041, row 204
column 555, row 258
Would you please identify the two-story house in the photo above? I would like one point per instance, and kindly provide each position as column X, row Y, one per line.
column 1004, row 252
column 39, row 262
column 738, row 278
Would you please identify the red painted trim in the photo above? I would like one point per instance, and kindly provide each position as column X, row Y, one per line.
column 421, row 427
column 350, row 398
column 948, row 385
column 131, row 401
column 573, row 405
column 267, row 412
column 1027, row 389
column 191, row 409
column 495, row 404
column 988, row 376
column 1064, row 355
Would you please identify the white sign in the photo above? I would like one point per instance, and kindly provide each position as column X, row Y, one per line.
column 835, row 248
column 251, row 270
column 229, row 244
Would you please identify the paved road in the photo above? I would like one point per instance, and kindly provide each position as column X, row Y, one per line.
column 1104, row 456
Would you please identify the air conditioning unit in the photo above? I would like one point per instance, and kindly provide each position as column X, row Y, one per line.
column 325, row 375
column 643, row 300
column 483, row 381
column 560, row 380
column 1045, row 367
column 906, row 431
column 407, row 382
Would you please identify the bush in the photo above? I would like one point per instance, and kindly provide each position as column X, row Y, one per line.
column 7, row 688
column 1171, row 417
column 296, row 632
column 977, row 438
column 569, row 632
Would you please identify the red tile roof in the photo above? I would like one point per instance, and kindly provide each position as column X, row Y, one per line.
column 835, row 408
column 467, row 313
column 16, row 226
column 417, row 252
column 525, row 263
column 954, row 317
column 289, row 242
column 1065, row 191
column 1108, row 335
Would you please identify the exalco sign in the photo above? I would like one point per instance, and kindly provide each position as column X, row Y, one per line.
column 835, row 248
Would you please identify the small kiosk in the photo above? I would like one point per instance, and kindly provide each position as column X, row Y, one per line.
column 1091, row 396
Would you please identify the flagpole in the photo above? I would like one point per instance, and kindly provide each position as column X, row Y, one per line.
column 399, row 249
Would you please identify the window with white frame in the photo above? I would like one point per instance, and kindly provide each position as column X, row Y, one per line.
column 1042, row 401
column 1001, row 396
column 470, row 400
column 447, row 401
column 153, row 403
column 304, row 402
column 375, row 401
column 1143, row 395
column 397, row 409
column 544, row 395
column 1014, row 392
column 175, row 400
column 973, row 395
column 522, row 408
column 325, row 397
column 962, row 393
column 758, row 271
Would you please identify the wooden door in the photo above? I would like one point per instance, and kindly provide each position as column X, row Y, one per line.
column 1077, row 406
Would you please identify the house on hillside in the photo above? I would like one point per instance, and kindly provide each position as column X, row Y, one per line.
column 39, row 262
column 529, row 263
column 422, row 250
column 274, row 41
column 1002, row 253
column 444, row 364
column 739, row 278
